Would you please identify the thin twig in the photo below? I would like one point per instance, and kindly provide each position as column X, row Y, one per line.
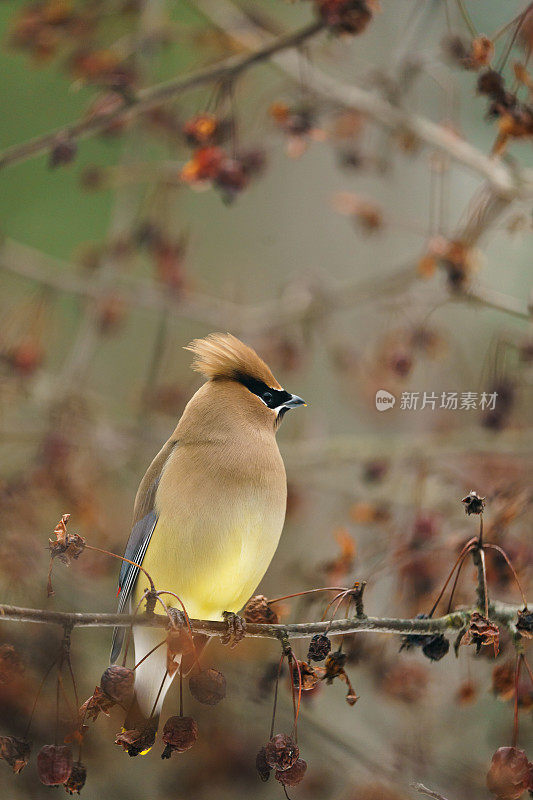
column 244, row 30
column 421, row 789
column 150, row 98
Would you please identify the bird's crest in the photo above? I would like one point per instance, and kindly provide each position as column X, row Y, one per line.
column 221, row 355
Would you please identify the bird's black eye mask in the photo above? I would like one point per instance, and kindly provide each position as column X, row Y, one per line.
column 273, row 398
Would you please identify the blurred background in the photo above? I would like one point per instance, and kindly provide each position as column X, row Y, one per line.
column 354, row 258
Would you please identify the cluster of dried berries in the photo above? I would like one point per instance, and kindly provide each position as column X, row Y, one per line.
column 281, row 754
column 510, row 774
column 515, row 119
column 471, row 54
column 208, row 686
column 41, row 28
column 212, row 165
column 347, row 16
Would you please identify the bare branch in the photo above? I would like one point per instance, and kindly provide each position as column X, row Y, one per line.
column 502, row 612
column 149, row 98
column 503, row 180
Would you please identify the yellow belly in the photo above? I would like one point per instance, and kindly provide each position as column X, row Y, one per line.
column 213, row 563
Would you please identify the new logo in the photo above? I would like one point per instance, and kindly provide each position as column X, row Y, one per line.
column 384, row 400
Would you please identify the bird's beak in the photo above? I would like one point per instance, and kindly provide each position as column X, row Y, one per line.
column 294, row 401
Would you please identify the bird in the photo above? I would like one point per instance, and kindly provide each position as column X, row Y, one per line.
column 210, row 509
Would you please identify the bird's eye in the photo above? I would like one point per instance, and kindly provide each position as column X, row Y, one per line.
column 267, row 397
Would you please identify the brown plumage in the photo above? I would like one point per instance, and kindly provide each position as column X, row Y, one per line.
column 210, row 509
column 221, row 355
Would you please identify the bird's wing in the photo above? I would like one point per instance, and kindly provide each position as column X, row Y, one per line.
column 140, row 537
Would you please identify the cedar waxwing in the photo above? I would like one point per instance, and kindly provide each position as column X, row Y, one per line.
column 210, row 509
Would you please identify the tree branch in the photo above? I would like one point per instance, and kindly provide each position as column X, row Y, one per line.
column 421, row 789
column 502, row 612
column 505, row 182
column 147, row 99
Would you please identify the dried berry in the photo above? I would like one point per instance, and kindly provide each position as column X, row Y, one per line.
column 281, row 752
column 294, row 775
column 15, row 751
column 490, row 83
column 435, row 647
column 66, row 545
column 179, row 734
column 201, row 129
column 345, row 16
column 319, row 647
column 480, row 53
column 54, row 764
column 474, row 504
column 117, row 682
column 304, row 676
column 509, row 773
column 263, row 768
column 77, row 779
column 481, row 632
column 231, row 178
column 334, row 665
column 99, row 702
column 204, row 165
column 63, row 151
column 258, row 610
column 135, row 742
column 525, row 623
column 208, row 686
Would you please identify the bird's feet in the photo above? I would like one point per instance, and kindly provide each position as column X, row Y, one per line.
column 236, row 629
column 177, row 617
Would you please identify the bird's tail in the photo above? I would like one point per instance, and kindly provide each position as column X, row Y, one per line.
column 151, row 685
